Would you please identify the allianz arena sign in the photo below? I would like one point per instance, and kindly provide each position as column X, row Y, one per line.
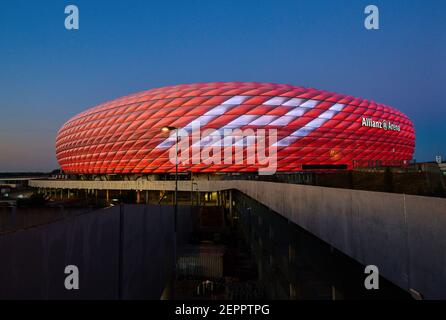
column 386, row 125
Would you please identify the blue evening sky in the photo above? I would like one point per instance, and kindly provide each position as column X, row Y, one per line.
column 48, row 74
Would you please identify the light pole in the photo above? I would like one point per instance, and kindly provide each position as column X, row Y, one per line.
column 169, row 129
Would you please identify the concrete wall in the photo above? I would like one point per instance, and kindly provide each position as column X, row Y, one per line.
column 33, row 260
column 404, row 235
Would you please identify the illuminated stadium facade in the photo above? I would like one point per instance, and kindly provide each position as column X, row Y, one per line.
column 302, row 128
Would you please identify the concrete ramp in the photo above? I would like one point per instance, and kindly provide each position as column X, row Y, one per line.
column 404, row 236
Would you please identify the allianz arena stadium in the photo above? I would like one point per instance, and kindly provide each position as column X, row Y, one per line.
column 314, row 129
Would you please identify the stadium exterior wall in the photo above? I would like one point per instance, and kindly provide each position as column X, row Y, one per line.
column 312, row 128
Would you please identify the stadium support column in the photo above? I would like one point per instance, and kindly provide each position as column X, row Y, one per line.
column 107, row 195
column 138, row 196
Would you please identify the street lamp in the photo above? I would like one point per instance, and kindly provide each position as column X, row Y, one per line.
column 169, row 129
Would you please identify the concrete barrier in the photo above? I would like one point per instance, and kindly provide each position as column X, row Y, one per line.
column 33, row 260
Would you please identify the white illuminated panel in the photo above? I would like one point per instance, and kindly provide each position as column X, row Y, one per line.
column 295, row 102
column 337, row 107
column 236, row 100
column 282, row 121
column 240, row 121
column 309, row 104
column 276, row 101
column 263, row 121
column 297, row 112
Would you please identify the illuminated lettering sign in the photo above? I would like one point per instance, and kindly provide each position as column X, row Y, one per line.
column 384, row 124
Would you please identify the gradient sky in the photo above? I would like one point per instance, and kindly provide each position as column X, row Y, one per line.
column 49, row 74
